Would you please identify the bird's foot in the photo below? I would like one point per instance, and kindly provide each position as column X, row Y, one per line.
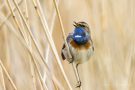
column 78, row 85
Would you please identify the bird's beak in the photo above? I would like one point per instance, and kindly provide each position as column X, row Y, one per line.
column 75, row 24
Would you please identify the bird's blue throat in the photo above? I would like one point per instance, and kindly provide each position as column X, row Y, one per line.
column 80, row 36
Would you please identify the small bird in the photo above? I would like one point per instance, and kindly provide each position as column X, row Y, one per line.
column 80, row 46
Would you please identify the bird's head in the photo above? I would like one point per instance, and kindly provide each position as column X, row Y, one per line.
column 81, row 33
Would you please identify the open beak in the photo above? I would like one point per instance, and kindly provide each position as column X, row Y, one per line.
column 75, row 24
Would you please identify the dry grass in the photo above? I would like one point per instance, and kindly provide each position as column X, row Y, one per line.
column 31, row 41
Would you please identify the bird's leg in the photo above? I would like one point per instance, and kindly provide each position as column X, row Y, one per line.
column 75, row 67
column 79, row 80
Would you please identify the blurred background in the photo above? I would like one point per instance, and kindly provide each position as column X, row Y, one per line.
column 29, row 63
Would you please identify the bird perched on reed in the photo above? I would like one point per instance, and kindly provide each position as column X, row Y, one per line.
column 80, row 47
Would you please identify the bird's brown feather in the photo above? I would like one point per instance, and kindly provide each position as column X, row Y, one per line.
column 76, row 46
column 63, row 57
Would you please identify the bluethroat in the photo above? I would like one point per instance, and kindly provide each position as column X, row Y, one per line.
column 80, row 46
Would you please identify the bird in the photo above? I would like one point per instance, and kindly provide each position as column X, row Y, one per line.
column 80, row 46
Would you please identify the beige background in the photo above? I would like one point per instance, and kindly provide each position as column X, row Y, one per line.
column 112, row 28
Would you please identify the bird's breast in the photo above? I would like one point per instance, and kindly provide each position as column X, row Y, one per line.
column 80, row 53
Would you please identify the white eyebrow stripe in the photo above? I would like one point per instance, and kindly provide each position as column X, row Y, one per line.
column 78, row 36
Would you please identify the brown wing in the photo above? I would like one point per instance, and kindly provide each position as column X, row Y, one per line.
column 62, row 55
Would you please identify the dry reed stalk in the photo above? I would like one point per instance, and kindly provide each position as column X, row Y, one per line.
column 26, row 11
column 51, row 31
column 48, row 47
column 30, row 45
column 16, row 35
column 47, row 33
column 54, row 78
column 63, row 33
column 2, row 76
column 14, row 17
column 8, row 76
column 6, row 72
column 28, row 49
column 16, row 21
column 30, row 33
column 44, row 87
column 62, row 28
column 32, row 74
column 8, row 16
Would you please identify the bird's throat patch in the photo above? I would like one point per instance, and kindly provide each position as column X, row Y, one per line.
column 76, row 46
